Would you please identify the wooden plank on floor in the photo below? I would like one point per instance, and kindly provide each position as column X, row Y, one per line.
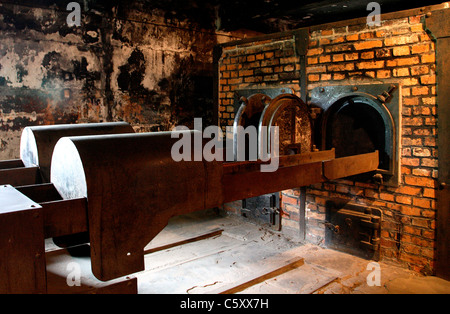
column 278, row 268
column 200, row 236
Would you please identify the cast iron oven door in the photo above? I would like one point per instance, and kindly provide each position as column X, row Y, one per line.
column 250, row 106
column 361, row 119
column 353, row 229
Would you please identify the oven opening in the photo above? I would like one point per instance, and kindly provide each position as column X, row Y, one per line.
column 358, row 124
column 355, row 127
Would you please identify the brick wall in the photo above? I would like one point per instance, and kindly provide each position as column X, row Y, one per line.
column 397, row 51
column 264, row 63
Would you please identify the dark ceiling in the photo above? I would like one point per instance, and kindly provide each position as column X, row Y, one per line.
column 264, row 16
column 261, row 15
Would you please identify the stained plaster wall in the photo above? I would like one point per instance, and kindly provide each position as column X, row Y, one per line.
column 128, row 62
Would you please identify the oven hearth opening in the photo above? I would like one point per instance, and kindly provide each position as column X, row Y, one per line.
column 362, row 119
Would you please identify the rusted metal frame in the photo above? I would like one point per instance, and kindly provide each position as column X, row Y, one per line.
column 65, row 217
column 124, row 217
column 22, row 252
column 438, row 24
column 349, row 166
column 301, row 38
column 20, row 176
column 217, row 54
column 40, row 193
column 283, row 161
column 9, row 164
column 273, row 36
column 241, row 185
column 61, row 217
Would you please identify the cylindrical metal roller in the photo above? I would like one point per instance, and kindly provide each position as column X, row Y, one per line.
column 37, row 142
column 133, row 187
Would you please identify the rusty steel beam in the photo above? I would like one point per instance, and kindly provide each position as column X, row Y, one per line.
column 133, row 187
column 20, row 176
column 8, row 164
column 22, row 260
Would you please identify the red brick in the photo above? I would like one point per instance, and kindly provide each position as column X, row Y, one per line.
column 420, row 181
column 401, row 40
column 401, row 51
column 352, row 37
column 411, row 101
column 259, row 56
column 351, row 56
column 289, row 200
column 423, row 90
column 401, row 72
column 338, row 40
column 421, row 152
column 407, row 61
column 411, row 230
column 429, row 100
column 338, row 76
column 410, row 211
column 421, row 202
column 367, row 55
column 416, row 121
column 269, row 55
column 325, row 59
column 381, row 33
column 383, row 74
column 315, row 51
column 368, row 45
column 387, row 197
column 410, row 161
column 429, row 162
column 341, row 67
column 421, row 48
column 429, row 58
column 327, row 32
column 313, row 77
column 403, row 199
column 413, row 191
column 324, row 41
column 431, row 193
column 428, row 234
column 428, row 79
column 246, row 73
column 366, row 35
column 338, row 58
column 370, row 65
column 430, row 141
column 429, row 214
column 235, row 81
column 313, row 60
column 420, row 70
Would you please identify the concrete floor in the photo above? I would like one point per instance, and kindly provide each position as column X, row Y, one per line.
column 240, row 249
column 244, row 248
